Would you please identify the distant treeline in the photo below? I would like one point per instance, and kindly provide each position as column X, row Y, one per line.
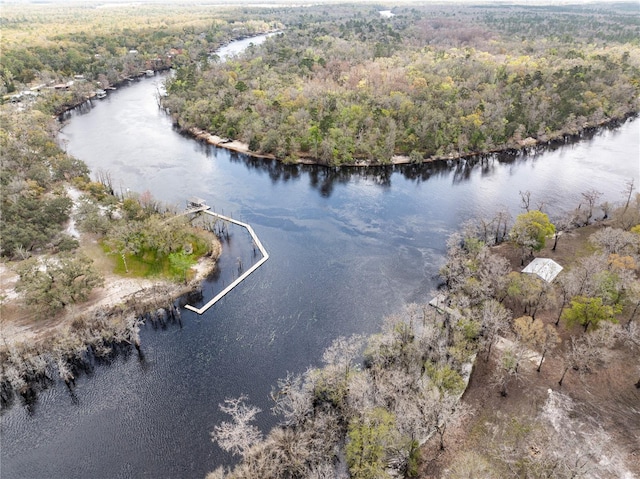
column 52, row 43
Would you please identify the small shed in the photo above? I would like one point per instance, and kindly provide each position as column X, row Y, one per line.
column 545, row 268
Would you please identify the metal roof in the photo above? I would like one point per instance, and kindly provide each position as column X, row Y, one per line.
column 545, row 268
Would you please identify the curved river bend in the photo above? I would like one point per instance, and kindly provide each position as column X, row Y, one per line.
column 347, row 247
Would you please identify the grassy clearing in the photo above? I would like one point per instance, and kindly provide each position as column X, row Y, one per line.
column 150, row 263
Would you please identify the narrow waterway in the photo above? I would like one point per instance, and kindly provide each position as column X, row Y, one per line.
column 346, row 248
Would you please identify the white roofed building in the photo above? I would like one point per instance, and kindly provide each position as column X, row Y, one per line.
column 545, row 268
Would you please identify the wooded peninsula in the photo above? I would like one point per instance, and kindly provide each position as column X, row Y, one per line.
column 343, row 86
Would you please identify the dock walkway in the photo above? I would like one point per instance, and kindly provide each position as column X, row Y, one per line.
column 202, row 208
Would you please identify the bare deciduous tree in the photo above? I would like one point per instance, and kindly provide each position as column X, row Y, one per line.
column 580, row 356
column 631, row 336
column 471, row 464
column 562, row 224
column 342, row 352
column 493, row 271
column 628, row 191
column 525, row 199
column 106, row 179
column 584, row 276
column 238, row 435
column 615, row 241
column 446, row 412
column 526, row 291
column 550, row 341
column 217, row 474
column 537, row 335
column 456, row 269
column 501, row 224
column 606, row 207
column 495, row 321
column 627, row 216
column 591, row 198
column 292, row 400
column 507, row 368
column 633, row 298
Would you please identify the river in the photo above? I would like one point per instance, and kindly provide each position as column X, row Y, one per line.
column 347, row 247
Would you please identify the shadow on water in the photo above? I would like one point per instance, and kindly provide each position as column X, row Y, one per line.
column 82, row 365
column 321, row 178
column 236, row 255
column 324, row 178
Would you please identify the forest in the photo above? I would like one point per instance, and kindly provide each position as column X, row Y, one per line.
column 54, row 209
column 52, row 215
column 54, row 57
column 85, row 47
column 346, row 85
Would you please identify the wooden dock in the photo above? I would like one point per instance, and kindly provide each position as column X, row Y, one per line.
column 202, row 208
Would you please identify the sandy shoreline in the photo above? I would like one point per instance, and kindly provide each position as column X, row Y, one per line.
column 19, row 328
column 523, row 144
column 34, row 349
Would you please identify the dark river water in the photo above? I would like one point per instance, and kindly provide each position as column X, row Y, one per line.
column 347, row 248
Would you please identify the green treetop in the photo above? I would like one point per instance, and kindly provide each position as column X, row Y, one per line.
column 530, row 231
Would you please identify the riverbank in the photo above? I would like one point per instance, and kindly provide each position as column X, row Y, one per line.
column 64, row 108
column 487, row 425
column 67, row 107
column 528, row 145
column 33, row 350
column 317, row 285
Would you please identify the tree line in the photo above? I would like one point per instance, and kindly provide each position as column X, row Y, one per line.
column 47, row 199
column 346, row 85
column 101, row 47
column 28, row 367
column 35, row 205
column 366, row 411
